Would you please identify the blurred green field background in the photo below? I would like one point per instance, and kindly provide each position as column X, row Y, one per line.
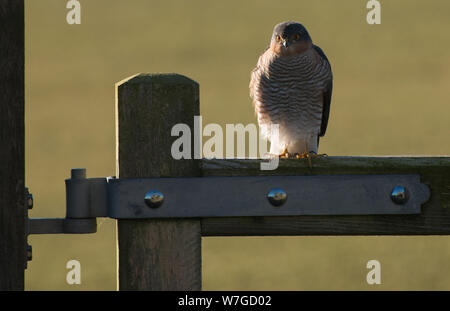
column 391, row 96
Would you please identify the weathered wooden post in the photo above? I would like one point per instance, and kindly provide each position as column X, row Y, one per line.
column 156, row 254
column 12, row 172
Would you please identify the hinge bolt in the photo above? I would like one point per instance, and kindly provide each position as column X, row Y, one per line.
column 29, row 253
column 277, row 196
column 29, row 200
column 399, row 195
column 154, row 198
column 78, row 173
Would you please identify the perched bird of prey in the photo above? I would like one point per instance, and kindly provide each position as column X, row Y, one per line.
column 291, row 86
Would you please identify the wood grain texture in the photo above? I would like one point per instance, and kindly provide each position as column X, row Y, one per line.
column 156, row 254
column 434, row 219
column 12, row 189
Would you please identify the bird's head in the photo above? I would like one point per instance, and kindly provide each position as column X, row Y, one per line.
column 290, row 38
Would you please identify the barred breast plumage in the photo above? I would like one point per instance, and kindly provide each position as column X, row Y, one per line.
column 289, row 91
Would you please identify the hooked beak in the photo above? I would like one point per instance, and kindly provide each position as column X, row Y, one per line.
column 286, row 43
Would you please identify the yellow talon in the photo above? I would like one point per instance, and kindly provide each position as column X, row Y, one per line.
column 284, row 154
column 305, row 155
column 309, row 156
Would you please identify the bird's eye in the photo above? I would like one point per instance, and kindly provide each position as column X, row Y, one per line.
column 296, row 36
column 278, row 38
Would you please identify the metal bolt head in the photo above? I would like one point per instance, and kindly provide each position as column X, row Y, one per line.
column 29, row 199
column 154, row 198
column 277, row 196
column 399, row 195
column 29, row 253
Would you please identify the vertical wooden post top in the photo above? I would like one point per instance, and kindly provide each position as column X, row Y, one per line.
column 156, row 254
